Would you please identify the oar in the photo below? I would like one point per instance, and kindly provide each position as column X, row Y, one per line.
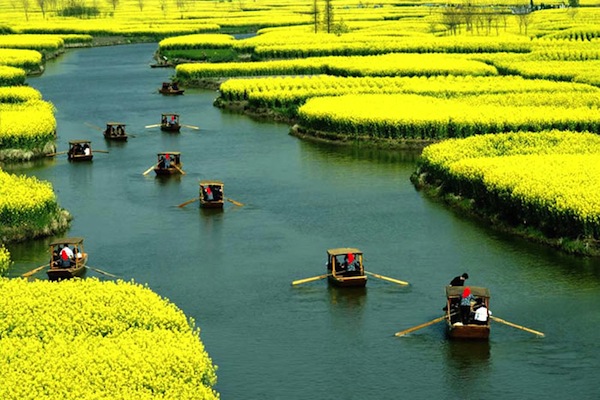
column 414, row 328
column 100, row 271
column 94, row 126
column 34, row 271
column 56, row 154
column 178, row 169
column 190, row 126
column 516, row 326
column 188, row 202
column 100, row 151
column 149, row 169
column 237, row 203
column 152, row 126
column 385, row 278
column 314, row 278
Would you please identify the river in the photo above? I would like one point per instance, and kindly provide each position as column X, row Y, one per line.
column 232, row 270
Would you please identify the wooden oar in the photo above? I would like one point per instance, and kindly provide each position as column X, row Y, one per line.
column 188, row 202
column 146, row 172
column 56, row 154
column 385, row 278
column 34, row 271
column 426, row 324
column 516, row 326
column 100, row 151
column 152, row 126
column 314, row 278
column 178, row 169
column 237, row 203
column 94, row 126
column 100, row 271
column 190, row 126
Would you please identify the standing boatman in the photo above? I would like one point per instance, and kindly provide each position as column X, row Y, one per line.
column 459, row 280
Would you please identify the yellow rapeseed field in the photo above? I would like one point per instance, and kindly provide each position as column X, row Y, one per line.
column 90, row 339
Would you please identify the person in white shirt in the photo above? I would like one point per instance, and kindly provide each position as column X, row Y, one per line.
column 481, row 315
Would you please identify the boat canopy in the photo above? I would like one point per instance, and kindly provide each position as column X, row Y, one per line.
column 456, row 291
column 170, row 153
column 115, row 123
column 343, row 251
column 73, row 142
column 211, row 183
column 69, row 240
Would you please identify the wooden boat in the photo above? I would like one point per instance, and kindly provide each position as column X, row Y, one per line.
column 161, row 65
column 67, row 268
column 115, row 131
column 170, row 89
column 345, row 266
column 168, row 163
column 456, row 329
column 211, row 194
column 170, row 122
column 80, row 150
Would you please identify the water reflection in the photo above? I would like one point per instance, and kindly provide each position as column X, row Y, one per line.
column 165, row 180
column 467, row 364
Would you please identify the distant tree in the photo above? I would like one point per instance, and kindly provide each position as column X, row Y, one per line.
column 43, row 5
column 451, row 18
column 181, row 7
column 25, row 4
column 141, row 4
column 328, row 15
column 340, row 28
column 163, row 6
column 574, row 3
column 524, row 17
column 315, row 14
column 113, row 3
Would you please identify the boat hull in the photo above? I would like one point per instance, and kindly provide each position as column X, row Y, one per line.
column 167, row 171
column 211, row 204
column 468, row 332
column 57, row 274
column 171, row 92
column 78, row 157
column 170, row 128
column 348, row 281
column 117, row 138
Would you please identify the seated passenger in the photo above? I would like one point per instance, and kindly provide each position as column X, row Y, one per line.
column 481, row 315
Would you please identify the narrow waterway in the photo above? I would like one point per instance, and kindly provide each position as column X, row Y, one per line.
column 231, row 270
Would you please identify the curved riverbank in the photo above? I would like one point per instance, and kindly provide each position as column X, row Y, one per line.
column 540, row 186
column 53, row 223
column 270, row 114
column 468, row 207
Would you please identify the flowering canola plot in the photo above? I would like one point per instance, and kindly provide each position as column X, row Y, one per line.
column 547, row 180
column 91, row 339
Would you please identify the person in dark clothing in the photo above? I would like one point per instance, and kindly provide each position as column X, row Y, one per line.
column 459, row 280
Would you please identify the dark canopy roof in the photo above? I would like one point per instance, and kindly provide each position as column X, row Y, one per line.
column 343, row 251
column 456, row 291
column 68, row 240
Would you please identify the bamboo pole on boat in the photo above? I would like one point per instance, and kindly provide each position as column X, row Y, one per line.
column 237, row 203
column 34, row 271
column 415, row 328
column 516, row 326
column 178, row 169
column 149, row 169
column 188, row 202
column 312, row 279
column 385, row 278
column 100, row 271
